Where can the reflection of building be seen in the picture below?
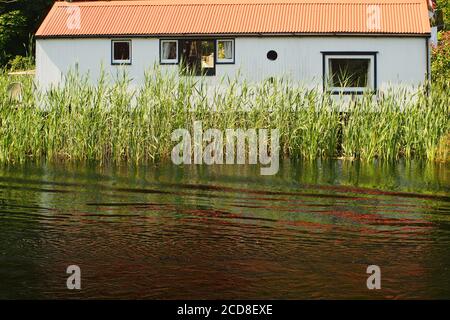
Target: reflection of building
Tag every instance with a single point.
(374, 44)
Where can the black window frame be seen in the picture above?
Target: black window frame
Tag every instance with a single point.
(113, 61)
(371, 54)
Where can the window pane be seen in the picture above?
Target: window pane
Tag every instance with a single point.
(169, 50)
(225, 49)
(351, 73)
(197, 57)
(122, 51)
(207, 54)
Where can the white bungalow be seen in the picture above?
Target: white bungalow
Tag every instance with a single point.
(372, 43)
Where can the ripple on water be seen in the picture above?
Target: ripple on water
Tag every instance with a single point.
(208, 234)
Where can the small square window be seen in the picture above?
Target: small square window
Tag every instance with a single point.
(169, 52)
(121, 52)
(225, 51)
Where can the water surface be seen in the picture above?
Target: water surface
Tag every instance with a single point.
(225, 232)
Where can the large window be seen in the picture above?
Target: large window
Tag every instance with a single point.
(349, 72)
(197, 57)
(121, 51)
(169, 52)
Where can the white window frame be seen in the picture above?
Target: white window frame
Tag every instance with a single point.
(370, 77)
(168, 61)
(121, 62)
(225, 61)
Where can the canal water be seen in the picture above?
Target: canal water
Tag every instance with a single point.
(226, 232)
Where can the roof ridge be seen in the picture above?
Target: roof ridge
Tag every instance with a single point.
(229, 2)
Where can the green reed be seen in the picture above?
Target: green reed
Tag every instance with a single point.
(113, 121)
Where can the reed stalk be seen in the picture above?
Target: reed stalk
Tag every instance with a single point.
(113, 121)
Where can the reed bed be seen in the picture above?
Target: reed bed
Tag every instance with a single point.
(112, 121)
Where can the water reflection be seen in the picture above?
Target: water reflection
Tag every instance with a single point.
(226, 232)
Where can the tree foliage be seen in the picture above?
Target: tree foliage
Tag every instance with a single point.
(19, 19)
(440, 67)
(440, 63)
(12, 25)
(443, 14)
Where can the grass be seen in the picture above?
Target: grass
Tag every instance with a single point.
(115, 123)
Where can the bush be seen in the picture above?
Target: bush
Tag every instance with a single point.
(440, 62)
(20, 63)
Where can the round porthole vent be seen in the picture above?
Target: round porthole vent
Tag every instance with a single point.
(272, 55)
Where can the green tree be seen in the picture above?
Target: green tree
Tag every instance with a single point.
(19, 19)
(443, 14)
(12, 26)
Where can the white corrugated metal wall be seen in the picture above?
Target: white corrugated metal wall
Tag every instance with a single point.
(401, 60)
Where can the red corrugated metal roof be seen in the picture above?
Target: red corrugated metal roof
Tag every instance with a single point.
(111, 18)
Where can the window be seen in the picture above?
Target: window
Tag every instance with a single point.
(225, 51)
(349, 72)
(272, 55)
(121, 52)
(169, 51)
(197, 57)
